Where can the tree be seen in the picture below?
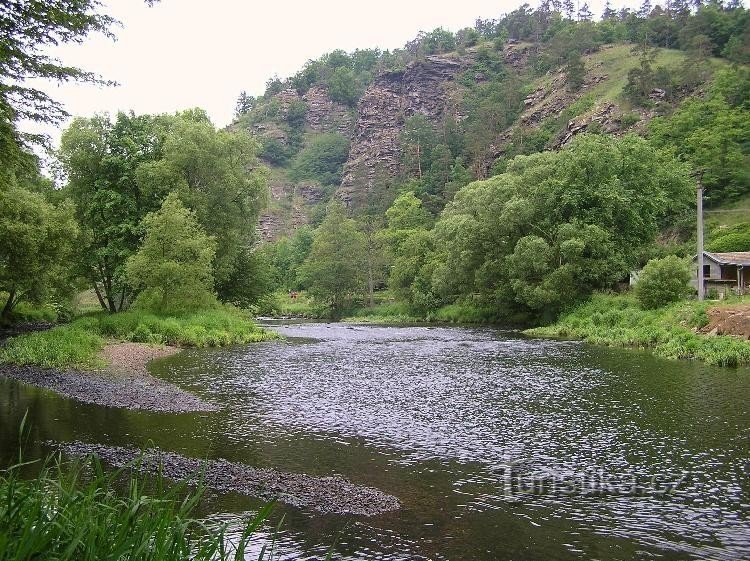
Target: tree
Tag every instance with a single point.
(556, 226)
(245, 104)
(662, 282)
(101, 158)
(28, 29)
(334, 271)
(322, 159)
(36, 243)
(217, 175)
(173, 266)
(576, 71)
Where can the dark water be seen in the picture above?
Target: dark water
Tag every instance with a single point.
(499, 447)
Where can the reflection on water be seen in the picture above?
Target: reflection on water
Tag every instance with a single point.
(499, 447)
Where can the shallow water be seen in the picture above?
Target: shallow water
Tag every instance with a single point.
(499, 447)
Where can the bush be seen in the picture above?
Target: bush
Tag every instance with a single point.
(662, 282)
(322, 160)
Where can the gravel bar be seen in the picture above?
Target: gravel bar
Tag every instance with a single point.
(323, 494)
(133, 391)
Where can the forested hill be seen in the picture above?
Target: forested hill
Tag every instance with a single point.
(450, 108)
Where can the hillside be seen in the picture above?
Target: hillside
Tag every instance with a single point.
(488, 102)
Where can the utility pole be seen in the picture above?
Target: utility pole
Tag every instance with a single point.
(701, 286)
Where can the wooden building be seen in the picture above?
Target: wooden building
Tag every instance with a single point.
(724, 272)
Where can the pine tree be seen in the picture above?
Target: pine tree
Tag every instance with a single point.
(584, 13)
(568, 8)
(608, 13)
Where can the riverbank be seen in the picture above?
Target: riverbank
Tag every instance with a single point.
(679, 331)
(78, 345)
(102, 358)
(123, 383)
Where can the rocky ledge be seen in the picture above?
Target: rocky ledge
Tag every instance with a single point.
(324, 494)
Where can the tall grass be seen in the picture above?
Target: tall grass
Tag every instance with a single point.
(669, 331)
(77, 344)
(61, 347)
(77, 512)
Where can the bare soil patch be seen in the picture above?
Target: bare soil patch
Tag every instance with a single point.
(733, 320)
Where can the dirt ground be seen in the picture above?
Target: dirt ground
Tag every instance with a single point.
(733, 320)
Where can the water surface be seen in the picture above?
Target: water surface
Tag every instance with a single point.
(498, 446)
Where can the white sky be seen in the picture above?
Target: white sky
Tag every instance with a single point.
(196, 53)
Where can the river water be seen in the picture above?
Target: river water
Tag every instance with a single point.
(498, 446)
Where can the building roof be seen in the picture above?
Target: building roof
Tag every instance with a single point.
(730, 258)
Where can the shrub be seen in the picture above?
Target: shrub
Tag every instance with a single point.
(322, 159)
(662, 281)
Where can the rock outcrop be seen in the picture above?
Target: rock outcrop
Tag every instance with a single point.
(390, 100)
(325, 115)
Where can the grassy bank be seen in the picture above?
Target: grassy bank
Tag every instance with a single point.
(670, 331)
(399, 312)
(78, 343)
(77, 512)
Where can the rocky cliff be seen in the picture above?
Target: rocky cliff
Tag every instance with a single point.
(391, 99)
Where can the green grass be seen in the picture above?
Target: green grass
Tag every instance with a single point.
(731, 213)
(62, 347)
(77, 512)
(669, 331)
(400, 312)
(76, 345)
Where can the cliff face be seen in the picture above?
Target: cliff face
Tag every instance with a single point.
(325, 115)
(388, 102)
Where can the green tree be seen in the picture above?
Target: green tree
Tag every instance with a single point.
(217, 175)
(335, 269)
(556, 226)
(36, 246)
(322, 159)
(662, 282)
(100, 158)
(173, 266)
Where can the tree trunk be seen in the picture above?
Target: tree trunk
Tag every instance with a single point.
(9, 304)
(102, 303)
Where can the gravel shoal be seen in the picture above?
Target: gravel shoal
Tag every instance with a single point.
(125, 383)
(323, 494)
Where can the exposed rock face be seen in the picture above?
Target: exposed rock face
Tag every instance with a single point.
(290, 207)
(388, 102)
(325, 115)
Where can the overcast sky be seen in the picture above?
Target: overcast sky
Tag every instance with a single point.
(193, 53)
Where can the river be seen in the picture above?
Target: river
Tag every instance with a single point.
(498, 446)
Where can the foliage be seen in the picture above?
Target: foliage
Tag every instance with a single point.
(322, 159)
(334, 270)
(662, 282)
(36, 243)
(733, 238)
(619, 321)
(118, 172)
(555, 226)
(77, 511)
(61, 347)
(29, 28)
(101, 158)
(288, 254)
(173, 264)
(711, 134)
